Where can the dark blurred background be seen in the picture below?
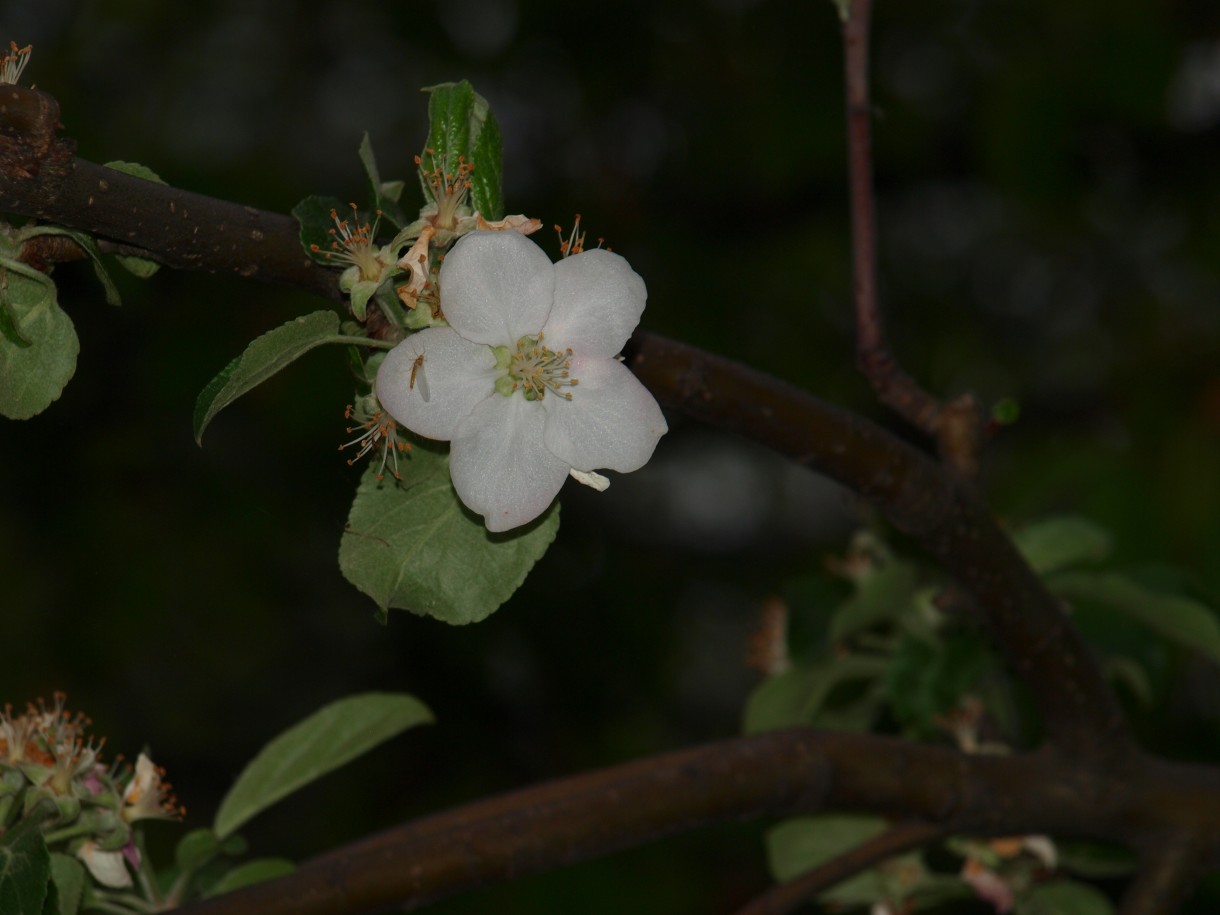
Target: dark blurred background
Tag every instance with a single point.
(1050, 232)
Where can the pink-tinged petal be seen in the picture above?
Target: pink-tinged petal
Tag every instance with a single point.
(433, 379)
(499, 466)
(598, 303)
(496, 287)
(612, 421)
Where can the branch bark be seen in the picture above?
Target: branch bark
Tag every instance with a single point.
(778, 774)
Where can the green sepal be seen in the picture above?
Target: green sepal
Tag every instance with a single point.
(412, 545)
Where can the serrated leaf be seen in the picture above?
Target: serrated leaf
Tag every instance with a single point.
(68, 882)
(1173, 616)
(332, 736)
(265, 356)
(413, 545)
(1057, 543)
(449, 121)
(487, 179)
(25, 872)
(1064, 897)
(314, 216)
(250, 873)
(463, 126)
(33, 376)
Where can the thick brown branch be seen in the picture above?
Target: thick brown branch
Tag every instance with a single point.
(781, 773)
(786, 897)
(181, 229)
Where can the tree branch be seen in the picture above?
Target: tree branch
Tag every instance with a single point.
(955, 426)
(899, 838)
(782, 773)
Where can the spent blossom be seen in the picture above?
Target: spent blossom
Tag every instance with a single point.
(525, 381)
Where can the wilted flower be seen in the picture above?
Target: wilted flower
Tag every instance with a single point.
(524, 382)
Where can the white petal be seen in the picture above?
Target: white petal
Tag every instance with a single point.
(611, 421)
(107, 867)
(500, 467)
(598, 303)
(496, 287)
(452, 377)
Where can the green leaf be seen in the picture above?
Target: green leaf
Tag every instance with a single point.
(314, 216)
(265, 356)
(1093, 860)
(89, 246)
(332, 736)
(487, 179)
(138, 266)
(250, 873)
(924, 680)
(384, 195)
(68, 882)
(1064, 897)
(462, 125)
(882, 595)
(1057, 543)
(798, 696)
(1176, 618)
(33, 374)
(25, 871)
(798, 845)
(195, 849)
(413, 545)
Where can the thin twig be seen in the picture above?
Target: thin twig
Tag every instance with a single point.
(954, 426)
(899, 838)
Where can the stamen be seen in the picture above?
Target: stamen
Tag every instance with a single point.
(380, 431)
(536, 369)
(448, 188)
(12, 63)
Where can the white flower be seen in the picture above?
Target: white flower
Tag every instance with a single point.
(524, 382)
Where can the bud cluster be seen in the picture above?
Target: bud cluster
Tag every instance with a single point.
(51, 770)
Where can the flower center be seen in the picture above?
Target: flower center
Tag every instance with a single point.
(12, 63)
(536, 369)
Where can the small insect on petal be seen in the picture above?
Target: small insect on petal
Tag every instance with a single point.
(417, 375)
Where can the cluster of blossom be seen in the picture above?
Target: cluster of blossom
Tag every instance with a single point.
(496, 358)
(52, 770)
